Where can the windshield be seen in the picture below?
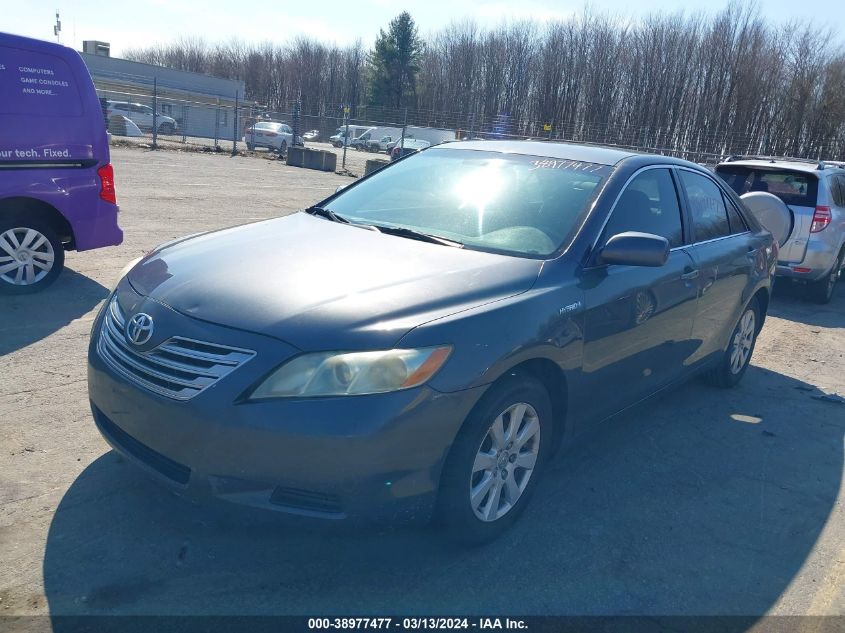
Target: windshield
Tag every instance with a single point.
(513, 204)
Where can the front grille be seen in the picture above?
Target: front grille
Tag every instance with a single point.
(179, 473)
(179, 368)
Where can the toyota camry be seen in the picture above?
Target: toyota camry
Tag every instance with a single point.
(418, 344)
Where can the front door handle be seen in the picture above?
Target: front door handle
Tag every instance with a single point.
(689, 274)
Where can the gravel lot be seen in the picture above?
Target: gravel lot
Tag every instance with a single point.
(355, 160)
(701, 502)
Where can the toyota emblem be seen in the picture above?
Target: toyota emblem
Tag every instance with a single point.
(139, 330)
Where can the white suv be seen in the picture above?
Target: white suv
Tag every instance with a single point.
(142, 116)
(814, 192)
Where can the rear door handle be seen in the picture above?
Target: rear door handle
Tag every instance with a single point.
(689, 274)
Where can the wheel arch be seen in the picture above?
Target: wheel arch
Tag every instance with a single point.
(553, 379)
(762, 297)
(33, 207)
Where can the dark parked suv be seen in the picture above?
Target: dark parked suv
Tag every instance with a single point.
(421, 341)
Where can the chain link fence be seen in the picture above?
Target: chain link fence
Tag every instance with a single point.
(155, 117)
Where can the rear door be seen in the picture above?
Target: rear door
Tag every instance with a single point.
(798, 189)
(725, 256)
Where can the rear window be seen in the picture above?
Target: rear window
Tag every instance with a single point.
(793, 187)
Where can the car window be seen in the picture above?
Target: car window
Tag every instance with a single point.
(737, 224)
(793, 187)
(649, 204)
(509, 203)
(837, 190)
(706, 205)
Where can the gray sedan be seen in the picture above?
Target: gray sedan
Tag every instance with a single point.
(420, 343)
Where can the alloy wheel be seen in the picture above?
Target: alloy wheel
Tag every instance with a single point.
(26, 256)
(504, 462)
(743, 340)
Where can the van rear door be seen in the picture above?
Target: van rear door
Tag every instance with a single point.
(798, 189)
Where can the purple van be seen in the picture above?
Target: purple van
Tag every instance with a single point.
(56, 181)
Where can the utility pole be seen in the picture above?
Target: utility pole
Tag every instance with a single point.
(345, 135)
(57, 28)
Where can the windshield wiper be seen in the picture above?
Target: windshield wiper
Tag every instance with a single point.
(326, 213)
(402, 231)
(334, 217)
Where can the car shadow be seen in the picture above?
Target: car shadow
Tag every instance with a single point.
(25, 319)
(702, 502)
(790, 301)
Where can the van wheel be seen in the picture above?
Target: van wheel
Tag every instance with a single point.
(737, 357)
(821, 291)
(496, 461)
(31, 255)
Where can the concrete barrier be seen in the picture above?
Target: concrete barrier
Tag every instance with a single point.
(296, 156)
(374, 164)
(312, 158)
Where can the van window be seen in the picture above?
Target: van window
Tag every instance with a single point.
(793, 187)
(37, 83)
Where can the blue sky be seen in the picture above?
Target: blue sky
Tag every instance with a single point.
(141, 22)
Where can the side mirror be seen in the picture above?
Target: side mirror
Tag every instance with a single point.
(635, 249)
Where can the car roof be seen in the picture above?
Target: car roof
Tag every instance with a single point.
(565, 151)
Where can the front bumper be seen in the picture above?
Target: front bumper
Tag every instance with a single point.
(364, 457)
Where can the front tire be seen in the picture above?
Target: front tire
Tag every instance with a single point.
(283, 148)
(31, 255)
(737, 357)
(495, 462)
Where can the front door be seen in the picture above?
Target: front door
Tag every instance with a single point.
(638, 320)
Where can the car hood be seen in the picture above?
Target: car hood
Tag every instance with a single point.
(321, 285)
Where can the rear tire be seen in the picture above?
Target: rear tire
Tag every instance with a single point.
(166, 128)
(487, 482)
(250, 147)
(737, 357)
(821, 291)
(31, 255)
(283, 148)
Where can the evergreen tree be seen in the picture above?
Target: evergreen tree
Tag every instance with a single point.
(394, 64)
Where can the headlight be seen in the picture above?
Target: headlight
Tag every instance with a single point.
(125, 270)
(352, 373)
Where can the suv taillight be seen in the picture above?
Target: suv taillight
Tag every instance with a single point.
(106, 174)
(821, 218)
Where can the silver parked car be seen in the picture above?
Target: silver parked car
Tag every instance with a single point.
(814, 192)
